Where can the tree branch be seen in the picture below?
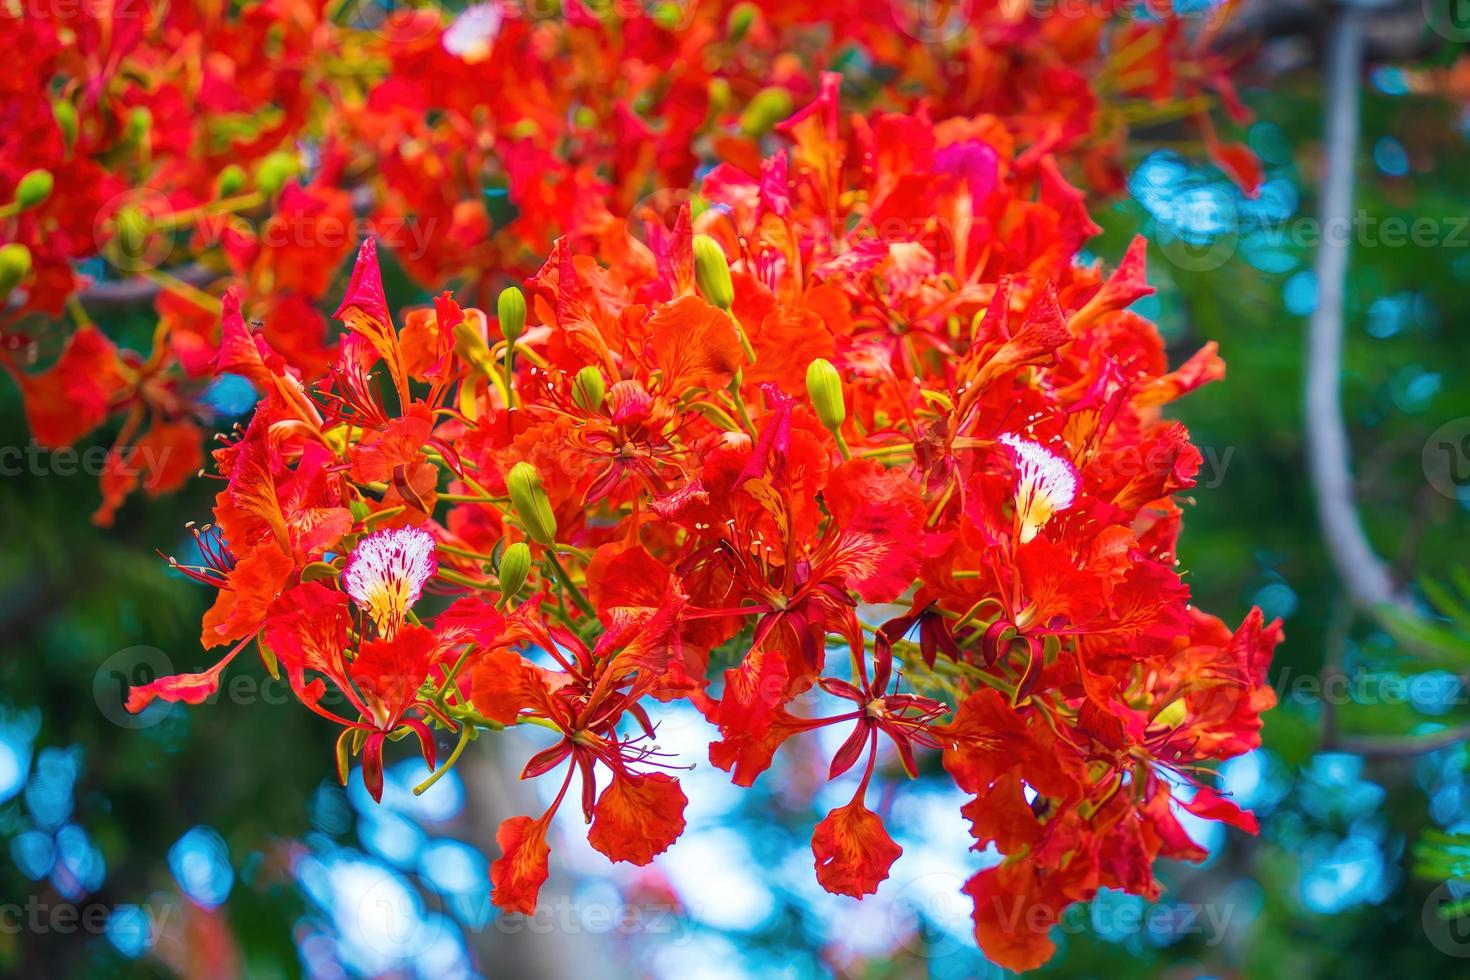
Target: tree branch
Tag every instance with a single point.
(1364, 575)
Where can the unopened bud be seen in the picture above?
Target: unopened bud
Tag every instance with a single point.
(66, 120)
(588, 389)
(231, 181)
(770, 106)
(718, 93)
(824, 386)
(273, 172)
(712, 272)
(33, 188)
(140, 122)
(15, 265)
(668, 15)
(511, 308)
(470, 346)
(742, 17)
(529, 501)
(515, 566)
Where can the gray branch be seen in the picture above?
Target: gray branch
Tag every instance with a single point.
(1364, 575)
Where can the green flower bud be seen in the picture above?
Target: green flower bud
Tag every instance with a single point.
(742, 18)
(824, 386)
(140, 122)
(230, 181)
(529, 501)
(272, 173)
(712, 272)
(668, 16)
(515, 566)
(719, 95)
(33, 188)
(588, 388)
(511, 308)
(470, 346)
(770, 106)
(66, 120)
(15, 265)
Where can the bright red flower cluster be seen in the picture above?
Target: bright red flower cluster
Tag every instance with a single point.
(199, 147)
(857, 421)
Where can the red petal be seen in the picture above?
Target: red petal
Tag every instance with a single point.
(518, 874)
(638, 816)
(372, 766)
(853, 851)
(1212, 806)
(1012, 922)
(73, 397)
(391, 671)
(1240, 164)
(188, 688)
(695, 344)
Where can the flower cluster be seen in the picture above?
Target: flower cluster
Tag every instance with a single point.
(855, 425)
(188, 149)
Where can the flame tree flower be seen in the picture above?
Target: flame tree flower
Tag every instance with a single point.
(631, 480)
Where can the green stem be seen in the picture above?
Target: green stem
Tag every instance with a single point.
(464, 552)
(510, 360)
(466, 736)
(449, 575)
(453, 673)
(571, 587)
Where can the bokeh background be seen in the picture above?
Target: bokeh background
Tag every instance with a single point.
(188, 841)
